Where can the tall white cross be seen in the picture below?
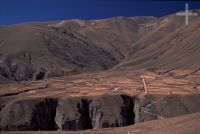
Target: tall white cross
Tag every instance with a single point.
(186, 14)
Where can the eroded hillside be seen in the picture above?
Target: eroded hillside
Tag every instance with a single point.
(38, 50)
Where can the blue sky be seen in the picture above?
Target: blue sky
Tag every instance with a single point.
(20, 11)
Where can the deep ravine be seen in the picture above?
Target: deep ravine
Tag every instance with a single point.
(103, 111)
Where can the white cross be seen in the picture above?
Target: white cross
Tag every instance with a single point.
(186, 14)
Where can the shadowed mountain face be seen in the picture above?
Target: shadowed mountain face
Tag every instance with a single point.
(38, 50)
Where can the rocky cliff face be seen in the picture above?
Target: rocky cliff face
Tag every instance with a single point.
(162, 107)
(68, 114)
(43, 115)
(80, 113)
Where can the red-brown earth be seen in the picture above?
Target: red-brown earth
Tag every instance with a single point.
(86, 75)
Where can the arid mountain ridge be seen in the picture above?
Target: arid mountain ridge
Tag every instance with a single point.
(38, 50)
(66, 47)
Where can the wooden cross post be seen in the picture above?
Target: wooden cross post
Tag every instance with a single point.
(145, 86)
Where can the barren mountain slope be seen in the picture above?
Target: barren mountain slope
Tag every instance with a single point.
(37, 50)
(177, 49)
(180, 125)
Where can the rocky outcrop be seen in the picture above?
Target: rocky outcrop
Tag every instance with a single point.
(14, 70)
(43, 115)
(152, 107)
(72, 113)
(103, 111)
(112, 111)
(95, 113)
(32, 114)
